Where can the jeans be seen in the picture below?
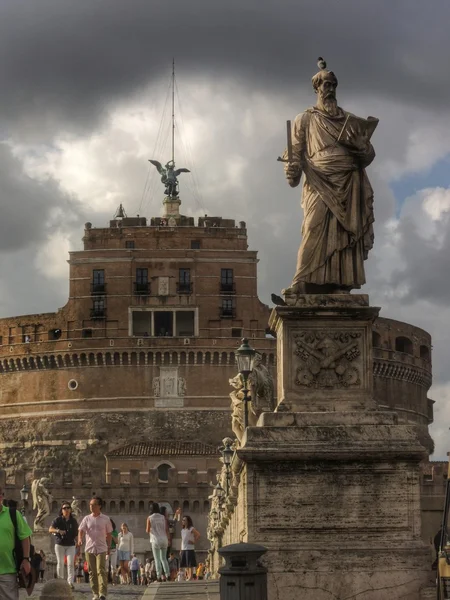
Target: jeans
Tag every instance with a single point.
(98, 576)
(134, 576)
(61, 552)
(161, 564)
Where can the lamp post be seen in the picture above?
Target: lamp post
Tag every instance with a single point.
(227, 456)
(24, 497)
(245, 359)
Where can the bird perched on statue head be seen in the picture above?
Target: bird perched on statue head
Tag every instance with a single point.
(324, 73)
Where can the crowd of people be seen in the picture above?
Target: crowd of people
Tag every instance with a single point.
(109, 555)
(94, 551)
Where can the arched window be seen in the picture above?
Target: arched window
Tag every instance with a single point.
(112, 506)
(425, 353)
(404, 344)
(206, 506)
(122, 506)
(163, 472)
(376, 339)
(196, 506)
(132, 506)
(186, 506)
(141, 506)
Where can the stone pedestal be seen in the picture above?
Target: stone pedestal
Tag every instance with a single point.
(171, 207)
(328, 483)
(324, 349)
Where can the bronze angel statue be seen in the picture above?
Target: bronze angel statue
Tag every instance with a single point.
(169, 176)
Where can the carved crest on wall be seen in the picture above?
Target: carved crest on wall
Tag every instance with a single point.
(328, 359)
(169, 388)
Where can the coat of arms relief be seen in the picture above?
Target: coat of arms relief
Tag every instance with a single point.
(328, 359)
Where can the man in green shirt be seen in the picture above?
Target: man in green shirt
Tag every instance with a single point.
(9, 589)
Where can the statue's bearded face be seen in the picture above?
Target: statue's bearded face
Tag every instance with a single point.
(327, 95)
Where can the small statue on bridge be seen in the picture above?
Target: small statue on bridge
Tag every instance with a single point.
(42, 500)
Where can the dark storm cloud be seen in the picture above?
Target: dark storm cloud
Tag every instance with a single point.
(27, 205)
(63, 62)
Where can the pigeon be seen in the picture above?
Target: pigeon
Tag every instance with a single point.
(321, 63)
(278, 300)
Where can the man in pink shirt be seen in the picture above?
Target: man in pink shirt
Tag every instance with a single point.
(97, 528)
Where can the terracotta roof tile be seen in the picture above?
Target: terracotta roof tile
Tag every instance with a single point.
(164, 448)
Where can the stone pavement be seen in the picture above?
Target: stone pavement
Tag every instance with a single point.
(198, 590)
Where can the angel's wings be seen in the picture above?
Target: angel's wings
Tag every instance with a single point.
(158, 165)
(178, 171)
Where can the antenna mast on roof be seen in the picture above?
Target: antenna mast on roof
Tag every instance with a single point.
(173, 110)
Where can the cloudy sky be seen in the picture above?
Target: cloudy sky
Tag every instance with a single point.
(83, 106)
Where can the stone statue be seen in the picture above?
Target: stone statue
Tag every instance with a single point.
(169, 176)
(262, 387)
(237, 405)
(42, 500)
(76, 510)
(332, 149)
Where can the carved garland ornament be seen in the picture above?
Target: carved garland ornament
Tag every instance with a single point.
(327, 359)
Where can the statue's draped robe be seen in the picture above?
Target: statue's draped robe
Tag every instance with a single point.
(337, 201)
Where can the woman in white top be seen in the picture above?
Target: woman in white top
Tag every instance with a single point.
(124, 551)
(158, 528)
(189, 535)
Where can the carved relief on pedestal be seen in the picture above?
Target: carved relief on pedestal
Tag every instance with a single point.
(328, 359)
(169, 389)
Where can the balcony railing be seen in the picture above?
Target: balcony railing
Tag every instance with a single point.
(141, 288)
(98, 289)
(98, 313)
(184, 287)
(227, 313)
(227, 288)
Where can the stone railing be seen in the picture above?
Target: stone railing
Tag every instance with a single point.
(227, 517)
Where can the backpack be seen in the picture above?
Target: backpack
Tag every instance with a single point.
(18, 554)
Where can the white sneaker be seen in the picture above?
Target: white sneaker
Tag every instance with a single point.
(95, 597)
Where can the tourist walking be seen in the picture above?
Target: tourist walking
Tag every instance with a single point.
(65, 530)
(43, 565)
(97, 529)
(9, 589)
(158, 528)
(189, 536)
(112, 567)
(79, 570)
(125, 549)
(134, 568)
(173, 566)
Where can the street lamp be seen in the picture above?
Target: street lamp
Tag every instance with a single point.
(24, 497)
(227, 456)
(245, 359)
